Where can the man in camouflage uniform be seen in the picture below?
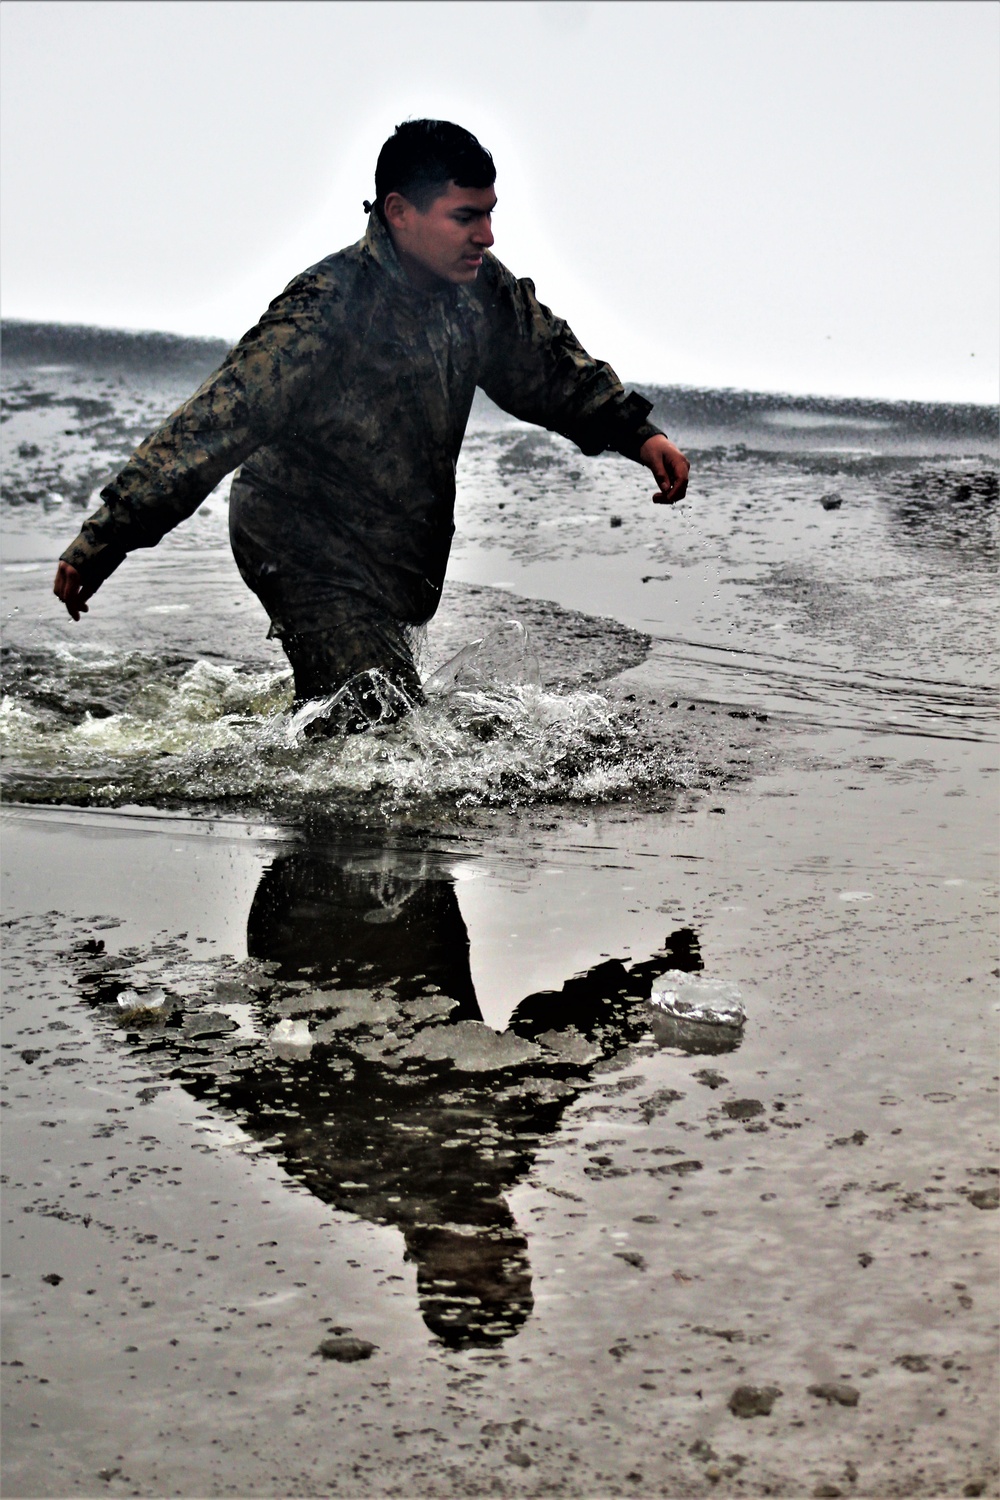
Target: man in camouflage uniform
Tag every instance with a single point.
(345, 409)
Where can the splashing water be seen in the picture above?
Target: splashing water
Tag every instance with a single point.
(110, 729)
(504, 655)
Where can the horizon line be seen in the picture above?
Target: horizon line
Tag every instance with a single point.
(776, 394)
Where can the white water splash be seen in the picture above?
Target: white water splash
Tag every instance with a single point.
(218, 733)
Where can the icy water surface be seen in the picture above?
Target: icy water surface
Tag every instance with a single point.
(586, 1087)
(366, 1167)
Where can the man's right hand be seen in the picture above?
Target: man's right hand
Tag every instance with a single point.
(70, 588)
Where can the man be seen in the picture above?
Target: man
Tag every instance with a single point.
(345, 409)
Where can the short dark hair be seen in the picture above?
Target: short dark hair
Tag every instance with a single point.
(421, 157)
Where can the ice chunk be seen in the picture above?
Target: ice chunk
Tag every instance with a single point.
(354, 1008)
(570, 1046)
(307, 1002)
(428, 1007)
(471, 1046)
(141, 999)
(692, 997)
(697, 1015)
(291, 1039)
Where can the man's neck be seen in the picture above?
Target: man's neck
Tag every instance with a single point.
(414, 270)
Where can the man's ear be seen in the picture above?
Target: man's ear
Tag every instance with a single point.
(397, 210)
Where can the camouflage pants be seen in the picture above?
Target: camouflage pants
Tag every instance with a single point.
(364, 663)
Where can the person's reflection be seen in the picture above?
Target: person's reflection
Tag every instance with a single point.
(390, 1147)
(376, 922)
(391, 1101)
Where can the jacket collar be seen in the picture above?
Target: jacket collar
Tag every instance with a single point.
(378, 243)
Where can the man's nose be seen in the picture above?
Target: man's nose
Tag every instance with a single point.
(484, 234)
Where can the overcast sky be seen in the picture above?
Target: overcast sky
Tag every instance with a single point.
(798, 197)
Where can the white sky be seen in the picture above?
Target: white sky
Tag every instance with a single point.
(790, 196)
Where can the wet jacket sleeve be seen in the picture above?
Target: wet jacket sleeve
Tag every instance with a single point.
(536, 369)
(250, 396)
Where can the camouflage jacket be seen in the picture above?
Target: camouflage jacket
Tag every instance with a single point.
(346, 406)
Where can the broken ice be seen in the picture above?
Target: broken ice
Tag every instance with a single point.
(144, 1000)
(691, 997)
(291, 1039)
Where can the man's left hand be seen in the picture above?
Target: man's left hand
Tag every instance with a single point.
(670, 468)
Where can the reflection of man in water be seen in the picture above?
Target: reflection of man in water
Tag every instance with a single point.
(345, 407)
(397, 1111)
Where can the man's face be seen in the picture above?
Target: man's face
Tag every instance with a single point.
(447, 242)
